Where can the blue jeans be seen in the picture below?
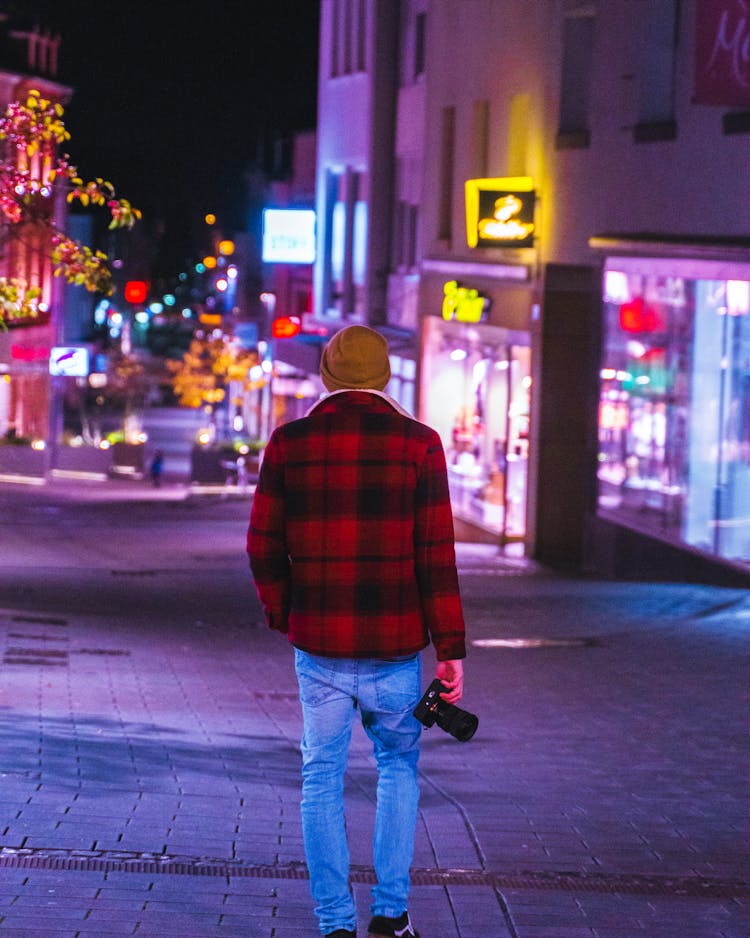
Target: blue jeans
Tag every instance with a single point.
(385, 692)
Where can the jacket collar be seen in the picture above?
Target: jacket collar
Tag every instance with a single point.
(381, 394)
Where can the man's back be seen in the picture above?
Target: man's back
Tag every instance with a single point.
(355, 496)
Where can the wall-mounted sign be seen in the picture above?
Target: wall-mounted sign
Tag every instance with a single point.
(29, 353)
(288, 236)
(246, 334)
(463, 303)
(500, 212)
(72, 361)
(210, 319)
(722, 62)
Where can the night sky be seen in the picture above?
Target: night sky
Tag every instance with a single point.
(171, 99)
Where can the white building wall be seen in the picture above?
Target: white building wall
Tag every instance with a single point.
(695, 184)
(494, 50)
(481, 51)
(355, 139)
(409, 194)
(508, 53)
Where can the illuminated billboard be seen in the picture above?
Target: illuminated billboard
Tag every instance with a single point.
(500, 212)
(288, 236)
(71, 361)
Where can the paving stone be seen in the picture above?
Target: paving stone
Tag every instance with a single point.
(617, 759)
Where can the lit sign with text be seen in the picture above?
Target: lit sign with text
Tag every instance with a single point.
(500, 212)
(463, 303)
(722, 53)
(71, 361)
(288, 236)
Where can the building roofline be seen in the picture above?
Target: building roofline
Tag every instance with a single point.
(700, 247)
(43, 85)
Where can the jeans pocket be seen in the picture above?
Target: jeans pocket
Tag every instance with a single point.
(314, 680)
(397, 685)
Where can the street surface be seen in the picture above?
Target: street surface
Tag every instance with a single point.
(149, 764)
(174, 431)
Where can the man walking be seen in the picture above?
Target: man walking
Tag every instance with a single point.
(352, 550)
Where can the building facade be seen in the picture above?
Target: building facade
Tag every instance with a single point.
(566, 236)
(368, 184)
(30, 60)
(295, 339)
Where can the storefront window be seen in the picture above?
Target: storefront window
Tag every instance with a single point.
(674, 411)
(476, 389)
(401, 385)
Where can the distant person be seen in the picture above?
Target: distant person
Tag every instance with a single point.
(242, 474)
(352, 550)
(157, 464)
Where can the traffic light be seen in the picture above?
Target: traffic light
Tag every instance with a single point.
(286, 327)
(136, 291)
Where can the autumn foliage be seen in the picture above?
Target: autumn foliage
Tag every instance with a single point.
(211, 362)
(33, 168)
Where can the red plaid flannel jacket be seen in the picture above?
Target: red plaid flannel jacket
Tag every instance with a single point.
(351, 539)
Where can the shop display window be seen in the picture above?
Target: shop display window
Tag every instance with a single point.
(674, 409)
(476, 392)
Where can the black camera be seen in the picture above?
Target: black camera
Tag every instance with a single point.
(433, 709)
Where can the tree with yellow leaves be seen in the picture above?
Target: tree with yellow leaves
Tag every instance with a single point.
(202, 377)
(31, 170)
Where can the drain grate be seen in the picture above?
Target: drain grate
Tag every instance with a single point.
(122, 862)
(276, 695)
(36, 652)
(111, 652)
(40, 620)
(56, 656)
(28, 637)
(134, 572)
(49, 657)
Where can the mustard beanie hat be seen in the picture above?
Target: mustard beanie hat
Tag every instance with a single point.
(356, 357)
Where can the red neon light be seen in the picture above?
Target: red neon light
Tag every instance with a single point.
(29, 353)
(136, 291)
(653, 354)
(636, 316)
(286, 327)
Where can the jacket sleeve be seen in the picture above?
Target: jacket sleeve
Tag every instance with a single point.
(266, 540)
(436, 557)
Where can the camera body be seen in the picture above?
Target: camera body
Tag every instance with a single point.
(433, 709)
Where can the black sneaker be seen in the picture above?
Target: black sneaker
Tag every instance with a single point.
(401, 927)
(341, 933)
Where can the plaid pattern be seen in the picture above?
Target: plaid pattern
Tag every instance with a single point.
(351, 539)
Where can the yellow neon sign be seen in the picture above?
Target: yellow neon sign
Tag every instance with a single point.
(463, 303)
(210, 319)
(500, 212)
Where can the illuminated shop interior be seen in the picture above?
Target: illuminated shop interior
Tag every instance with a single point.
(674, 410)
(476, 392)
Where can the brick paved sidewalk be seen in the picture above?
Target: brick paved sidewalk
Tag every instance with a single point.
(149, 782)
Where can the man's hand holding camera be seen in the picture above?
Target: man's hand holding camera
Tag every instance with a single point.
(434, 707)
(451, 675)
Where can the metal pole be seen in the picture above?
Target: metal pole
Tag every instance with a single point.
(719, 482)
(508, 399)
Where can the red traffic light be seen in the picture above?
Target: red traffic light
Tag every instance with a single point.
(136, 291)
(286, 327)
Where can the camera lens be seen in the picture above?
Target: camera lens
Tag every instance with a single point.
(459, 723)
